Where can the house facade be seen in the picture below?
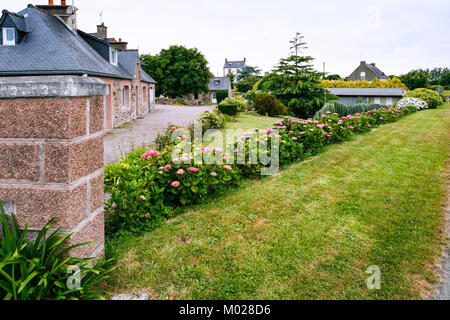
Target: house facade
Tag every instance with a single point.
(218, 84)
(367, 71)
(384, 96)
(233, 67)
(44, 40)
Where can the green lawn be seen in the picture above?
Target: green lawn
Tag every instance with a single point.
(247, 121)
(311, 231)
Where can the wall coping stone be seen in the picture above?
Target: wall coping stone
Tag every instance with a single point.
(51, 87)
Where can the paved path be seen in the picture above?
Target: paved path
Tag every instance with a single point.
(120, 141)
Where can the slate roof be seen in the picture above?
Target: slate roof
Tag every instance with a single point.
(234, 64)
(51, 47)
(18, 20)
(368, 92)
(224, 84)
(377, 71)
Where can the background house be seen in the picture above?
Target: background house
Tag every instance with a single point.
(44, 40)
(384, 96)
(218, 84)
(233, 67)
(367, 72)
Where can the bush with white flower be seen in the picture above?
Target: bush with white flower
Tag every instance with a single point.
(416, 102)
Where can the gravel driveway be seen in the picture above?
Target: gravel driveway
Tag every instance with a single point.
(120, 141)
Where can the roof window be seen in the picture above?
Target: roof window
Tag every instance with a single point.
(9, 36)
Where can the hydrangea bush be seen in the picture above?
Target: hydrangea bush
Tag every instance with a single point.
(149, 186)
(416, 102)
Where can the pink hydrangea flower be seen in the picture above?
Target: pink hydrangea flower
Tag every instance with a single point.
(175, 184)
(228, 168)
(302, 133)
(162, 168)
(269, 131)
(181, 172)
(351, 128)
(320, 126)
(236, 151)
(225, 158)
(218, 150)
(168, 167)
(312, 130)
(206, 150)
(192, 169)
(294, 138)
(184, 137)
(184, 159)
(213, 174)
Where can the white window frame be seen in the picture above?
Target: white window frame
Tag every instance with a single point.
(7, 42)
(124, 97)
(113, 59)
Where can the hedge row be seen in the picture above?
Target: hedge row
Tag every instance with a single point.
(344, 109)
(148, 187)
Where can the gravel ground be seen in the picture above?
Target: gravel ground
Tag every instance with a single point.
(120, 141)
(443, 289)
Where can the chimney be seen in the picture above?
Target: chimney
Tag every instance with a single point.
(226, 60)
(102, 31)
(245, 59)
(66, 13)
(363, 62)
(120, 45)
(373, 63)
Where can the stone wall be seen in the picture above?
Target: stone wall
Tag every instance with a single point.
(51, 155)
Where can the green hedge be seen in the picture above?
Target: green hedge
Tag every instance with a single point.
(267, 104)
(229, 109)
(221, 95)
(343, 109)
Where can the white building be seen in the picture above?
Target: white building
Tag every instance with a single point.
(233, 67)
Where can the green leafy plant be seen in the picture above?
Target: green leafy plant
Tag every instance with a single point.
(228, 109)
(267, 104)
(237, 100)
(221, 95)
(432, 98)
(148, 187)
(38, 270)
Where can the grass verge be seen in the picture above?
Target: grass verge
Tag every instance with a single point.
(312, 231)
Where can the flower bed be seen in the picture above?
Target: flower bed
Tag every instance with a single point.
(148, 187)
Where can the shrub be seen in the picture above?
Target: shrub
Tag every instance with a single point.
(228, 109)
(39, 270)
(250, 96)
(343, 109)
(432, 98)
(390, 83)
(266, 103)
(247, 84)
(213, 120)
(148, 187)
(406, 102)
(221, 95)
(237, 100)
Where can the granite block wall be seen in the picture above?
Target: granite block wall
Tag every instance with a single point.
(51, 155)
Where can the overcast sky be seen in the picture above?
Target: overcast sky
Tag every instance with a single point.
(399, 35)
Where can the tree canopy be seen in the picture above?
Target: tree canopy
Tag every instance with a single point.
(248, 71)
(423, 78)
(179, 71)
(295, 82)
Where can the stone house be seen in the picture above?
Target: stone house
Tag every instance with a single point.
(44, 40)
(367, 71)
(233, 67)
(218, 84)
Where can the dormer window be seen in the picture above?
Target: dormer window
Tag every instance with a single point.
(113, 56)
(216, 82)
(9, 37)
